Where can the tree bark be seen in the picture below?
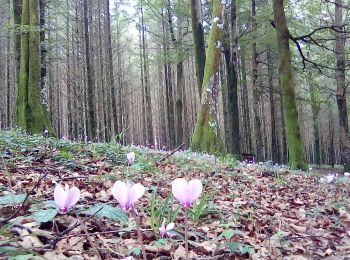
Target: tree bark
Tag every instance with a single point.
(206, 136)
(341, 87)
(110, 73)
(31, 114)
(295, 145)
(257, 123)
(147, 86)
(198, 41)
(272, 105)
(91, 106)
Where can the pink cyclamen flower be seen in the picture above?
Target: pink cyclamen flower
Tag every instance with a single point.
(187, 192)
(66, 198)
(131, 158)
(164, 230)
(127, 194)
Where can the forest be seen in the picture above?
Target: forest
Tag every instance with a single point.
(227, 105)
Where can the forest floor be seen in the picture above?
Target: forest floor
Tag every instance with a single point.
(247, 211)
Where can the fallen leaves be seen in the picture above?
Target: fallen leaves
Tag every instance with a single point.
(253, 212)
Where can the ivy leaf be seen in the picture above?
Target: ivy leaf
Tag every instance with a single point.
(12, 199)
(107, 211)
(45, 215)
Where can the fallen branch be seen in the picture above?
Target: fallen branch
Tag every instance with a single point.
(170, 154)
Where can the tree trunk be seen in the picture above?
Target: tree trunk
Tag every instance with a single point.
(272, 105)
(91, 106)
(315, 107)
(168, 89)
(245, 104)
(257, 123)
(341, 87)
(232, 97)
(110, 73)
(198, 40)
(31, 114)
(147, 86)
(17, 13)
(295, 145)
(206, 135)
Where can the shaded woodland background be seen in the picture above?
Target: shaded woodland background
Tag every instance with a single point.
(135, 61)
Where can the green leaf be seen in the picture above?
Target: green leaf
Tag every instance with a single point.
(107, 211)
(10, 250)
(21, 257)
(160, 242)
(135, 250)
(12, 199)
(45, 215)
(229, 233)
(239, 248)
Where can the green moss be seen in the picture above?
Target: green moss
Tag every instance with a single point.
(295, 145)
(206, 137)
(31, 114)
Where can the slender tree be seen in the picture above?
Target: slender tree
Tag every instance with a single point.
(91, 106)
(295, 145)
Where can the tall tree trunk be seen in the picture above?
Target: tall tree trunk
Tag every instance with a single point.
(245, 103)
(168, 89)
(68, 79)
(341, 86)
(31, 114)
(110, 74)
(206, 136)
(272, 104)
(198, 40)
(315, 107)
(232, 97)
(43, 50)
(17, 13)
(91, 106)
(295, 145)
(257, 123)
(148, 101)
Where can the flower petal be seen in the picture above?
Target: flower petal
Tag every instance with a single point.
(170, 226)
(131, 157)
(195, 189)
(136, 192)
(120, 193)
(73, 195)
(59, 195)
(179, 189)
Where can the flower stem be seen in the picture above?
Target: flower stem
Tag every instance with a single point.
(186, 234)
(139, 234)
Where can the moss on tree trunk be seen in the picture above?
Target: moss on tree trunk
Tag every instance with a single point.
(206, 135)
(295, 145)
(31, 114)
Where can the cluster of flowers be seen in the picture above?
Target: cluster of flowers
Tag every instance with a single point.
(332, 177)
(127, 195)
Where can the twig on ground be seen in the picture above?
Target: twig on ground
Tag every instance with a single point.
(14, 214)
(60, 235)
(92, 243)
(170, 154)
